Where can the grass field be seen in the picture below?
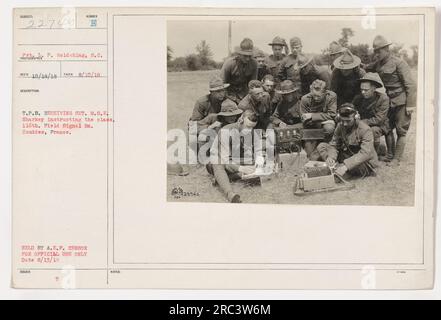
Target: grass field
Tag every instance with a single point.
(392, 186)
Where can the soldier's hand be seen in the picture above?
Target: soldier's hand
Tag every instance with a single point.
(306, 116)
(409, 111)
(246, 169)
(330, 162)
(341, 170)
(215, 125)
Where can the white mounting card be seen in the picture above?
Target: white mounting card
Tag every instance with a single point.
(111, 188)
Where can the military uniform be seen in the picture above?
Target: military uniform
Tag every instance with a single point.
(286, 112)
(374, 112)
(354, 147)
(323, 114)
(289, 70)
(224, 166)
(273, 65)
(400, 87)
(238, 75)
(207, 121)
(322, 111)
(263, 110)
(275, 99)
(348, 87)
(204, 106)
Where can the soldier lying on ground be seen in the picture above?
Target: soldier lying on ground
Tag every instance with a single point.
(228, 164)
(352, 145)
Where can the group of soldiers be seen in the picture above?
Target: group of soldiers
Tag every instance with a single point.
(354, 103)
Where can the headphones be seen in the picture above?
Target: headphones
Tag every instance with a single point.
(338, 117)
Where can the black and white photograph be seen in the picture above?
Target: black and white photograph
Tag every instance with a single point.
(293, 110)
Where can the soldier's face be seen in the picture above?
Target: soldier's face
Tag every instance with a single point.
(257, 94)
(335, 56)
(348, 123)
(367, 90)
(229, 119)
(268, 86)
(277, 51)
(289, 97)
(219, 95)
(381, 54)
(260, 61)
(346, 72)
(318, 95)
(295, 50)
(244, 58)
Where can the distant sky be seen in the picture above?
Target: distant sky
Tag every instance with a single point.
(183, 36)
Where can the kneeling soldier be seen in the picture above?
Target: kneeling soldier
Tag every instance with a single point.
(318, 110)
(373, 107)
(352, 145)
(287, 110)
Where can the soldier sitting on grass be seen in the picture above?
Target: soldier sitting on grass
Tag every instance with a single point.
(232, 154)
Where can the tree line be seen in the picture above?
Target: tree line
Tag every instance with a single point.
(202, 59)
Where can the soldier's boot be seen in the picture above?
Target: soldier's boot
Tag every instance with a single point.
(322, 150)
(390, 145)
(377, 146)
(309, 147)
(223, 181)
(399, 150)
(234, 197)
(381, 150)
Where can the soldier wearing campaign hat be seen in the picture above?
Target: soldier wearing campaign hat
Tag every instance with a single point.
(345, 76)
(335, 51)
(287, 110)
(239, 70)
(400, 87)
(351, 149)
(274, 60)
(210, 103)
(373, 107)
(229, 113)
(289, 67)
